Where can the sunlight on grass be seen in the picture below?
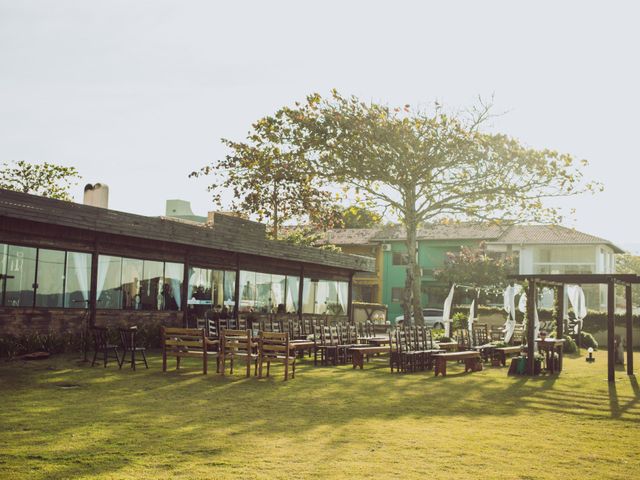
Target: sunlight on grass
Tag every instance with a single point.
(64, 419)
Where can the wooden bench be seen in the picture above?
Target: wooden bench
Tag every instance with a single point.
(472, 361)
(187, 342)
(501, 353)
(358, 354)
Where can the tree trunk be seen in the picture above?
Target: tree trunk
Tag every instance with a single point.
(413, 294)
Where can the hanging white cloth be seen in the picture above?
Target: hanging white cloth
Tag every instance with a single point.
(522, 306)
(446, 312)
(578, 303)
(510, 307)
(472, 314)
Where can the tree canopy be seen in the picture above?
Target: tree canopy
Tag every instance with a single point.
(45, 179)
(269, 179)
(427, 166)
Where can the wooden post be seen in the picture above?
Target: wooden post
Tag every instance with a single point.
(93, 303)
(350, 300)
(531, 298)
(560, 319)
(237, 293)
(184, 306)
(300, 292)
(629, 326)
(611, 354)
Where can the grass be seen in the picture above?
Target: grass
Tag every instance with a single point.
(63, 419)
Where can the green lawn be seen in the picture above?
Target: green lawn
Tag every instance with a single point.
(327, 423)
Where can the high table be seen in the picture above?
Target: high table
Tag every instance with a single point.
(550, 346)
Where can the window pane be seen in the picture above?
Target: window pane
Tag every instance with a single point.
(200, 283)
(78, 279)
(20, 276)
(151, 285)
(229, 301)
(172, 288)
(49, 292)
(3, 268)
(109, 277)
(131, 277)
(325, 298)
(278, 293)
(247, 291)
(308, 295)
(343, 297)
(264, 296)
(293, 290)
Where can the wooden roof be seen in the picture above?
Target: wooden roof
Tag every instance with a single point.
(227, 233)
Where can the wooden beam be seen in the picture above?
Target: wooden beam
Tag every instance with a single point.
(350, 299)
(628, 294)
(300, 292)
(184, 307)
(560, 318)
(611, 310)
(531, 298)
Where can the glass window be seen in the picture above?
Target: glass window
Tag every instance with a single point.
(50, 281)
(400, 258)
(229, 299)
(109, 292)
(293, 289)
(200, 283)
(264, 295)
(247, 291)
(151, 285)
(78, 280)
(397, 294)
(131, 278)
(20, 276)
(172, 287)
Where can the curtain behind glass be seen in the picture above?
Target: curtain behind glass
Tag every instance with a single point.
(77, 277)
(20, 276)
(131, 278)
(151, 285)
(229, 290)
(247, 291)
(293, 290)
(50, 281)
(343, 296)
(172, 288)
(308, 296)
(109, 293)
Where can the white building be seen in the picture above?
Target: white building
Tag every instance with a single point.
(554, 249)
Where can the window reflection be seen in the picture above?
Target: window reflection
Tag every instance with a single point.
(20, 276)
(328, 297)
(50, 282)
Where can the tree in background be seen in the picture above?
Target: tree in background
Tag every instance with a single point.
(476, 268)
(628, 263)
(269, 180)
(45, 179)
(360, 217)
(426, 166)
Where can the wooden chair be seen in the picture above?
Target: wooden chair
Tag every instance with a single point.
(128, 339)
(274, 347)
(101, 345)
(462, 337)
(480, 334)
(238, 344)
(188, 342)
(326, 344)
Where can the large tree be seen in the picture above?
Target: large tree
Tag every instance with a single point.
(269, 180)
(45, 179)
(429, 165)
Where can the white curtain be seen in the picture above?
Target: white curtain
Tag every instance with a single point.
(277, 296)
(446, 312)
(103, 269)
(322, 293)
(293, 289)
(343, 296)
(510, 307)
(80, 262)
(578, 303)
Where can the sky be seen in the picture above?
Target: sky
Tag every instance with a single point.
(138, 94)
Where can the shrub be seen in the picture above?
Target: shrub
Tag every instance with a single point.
(459, 320)
(569, 345)
(587, 340)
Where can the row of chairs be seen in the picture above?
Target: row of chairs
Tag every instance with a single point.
(230, 345)
(411, 349)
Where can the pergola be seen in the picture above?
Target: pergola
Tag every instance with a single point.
(559, 281)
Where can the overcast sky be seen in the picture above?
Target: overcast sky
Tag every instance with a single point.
(138, 94)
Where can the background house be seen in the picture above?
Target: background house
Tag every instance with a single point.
(539, 248)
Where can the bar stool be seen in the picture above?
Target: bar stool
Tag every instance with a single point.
(128, 338)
